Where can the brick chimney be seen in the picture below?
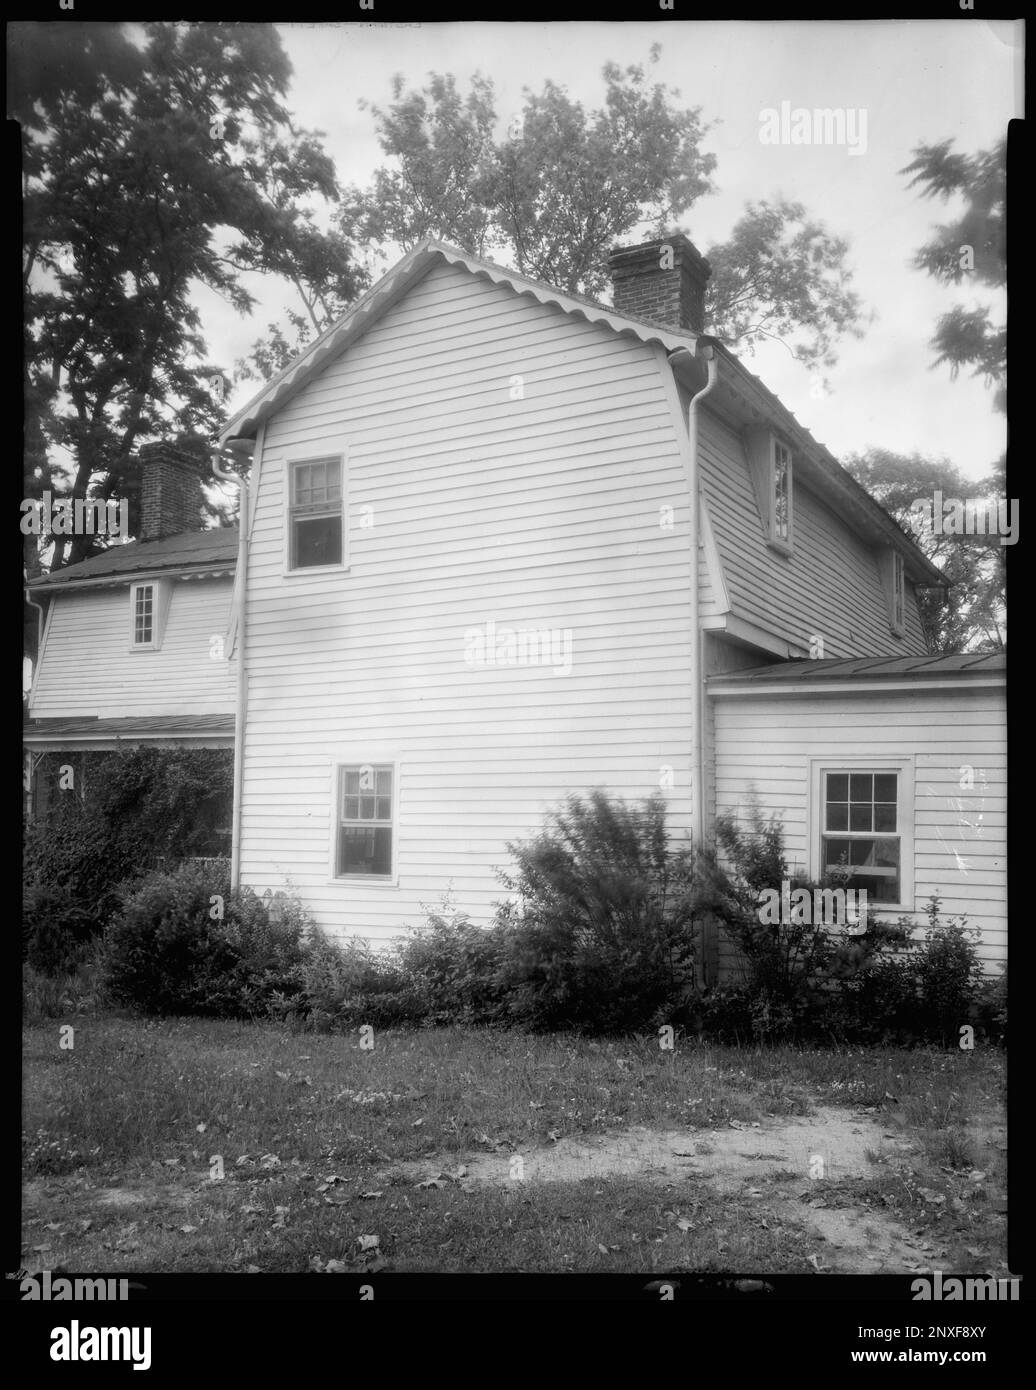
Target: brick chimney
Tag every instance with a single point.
(663, 281)
(170, 491)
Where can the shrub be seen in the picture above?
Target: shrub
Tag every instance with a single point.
(78, 989)
(991, 1007)
(347, 984)
(127, 808)
(804, 978)
(600, 936)
(55, 929)
(453, 967)
(949, 974)
(170, 952)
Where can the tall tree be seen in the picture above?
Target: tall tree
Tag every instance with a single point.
(564, 184)
(973, 616)
(970, 248)
(150, 168)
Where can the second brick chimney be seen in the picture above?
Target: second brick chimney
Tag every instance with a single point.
(663, 281)
(170, 491)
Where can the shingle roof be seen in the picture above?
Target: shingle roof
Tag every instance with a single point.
(215, 549)
(131, 726)
(855, 668)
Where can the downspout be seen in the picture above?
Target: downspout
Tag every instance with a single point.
(705, 351)
(241, 699)
(30, 766)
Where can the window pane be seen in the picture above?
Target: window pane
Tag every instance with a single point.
(885, 786)
(351, 808)
(364, 851)
(352, 782)
(861, 786)
(860, 817)
(316, 541)
(366, 808)
(384, 808)
(884, 816)
(384, 781)
(837, 815)
(838, 786)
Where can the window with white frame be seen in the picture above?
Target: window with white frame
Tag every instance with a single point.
(780, 494)
(366, 821)
(315, 520)
(143, 615)
(149, 601)
(893, 583)
(862, 830)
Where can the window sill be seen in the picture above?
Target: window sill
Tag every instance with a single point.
(313, 569)
(367, 880)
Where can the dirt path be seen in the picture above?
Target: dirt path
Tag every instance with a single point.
(778, 1160)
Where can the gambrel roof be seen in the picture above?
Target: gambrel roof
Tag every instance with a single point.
(743, 390)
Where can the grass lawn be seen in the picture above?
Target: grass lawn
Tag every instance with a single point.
(471, 1150)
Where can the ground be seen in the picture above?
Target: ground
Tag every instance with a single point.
(195, 1145)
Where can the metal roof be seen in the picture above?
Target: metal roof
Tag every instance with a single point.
(876, 667)
(130, 727)
(210, 552)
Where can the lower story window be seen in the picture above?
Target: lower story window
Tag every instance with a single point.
(862, 831)
(365, 821)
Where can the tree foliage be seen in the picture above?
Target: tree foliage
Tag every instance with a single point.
(973, 615)
(151, 169)
(968, 248)
(564, 184)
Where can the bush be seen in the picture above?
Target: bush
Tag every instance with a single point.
(169, 951)
(949, 974)
(347, 984)
(127, 809)
(991, 1007)
(805, 979)
(600, 937)
(55, 929)
(78, 989)
(452, 968)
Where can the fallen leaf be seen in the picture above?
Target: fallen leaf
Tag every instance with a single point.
(603, 1249)
(336, 1267)
(372, 1194)
(416, 1123)
(368, 1242)
(684, 1224)
(201, 1128)
(188, 1229)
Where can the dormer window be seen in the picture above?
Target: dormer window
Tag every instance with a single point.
(780, 499)
(148, 604)
(772, 468)
(893, 581)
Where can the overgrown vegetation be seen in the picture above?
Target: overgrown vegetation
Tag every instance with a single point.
(108, 818)
(600, 934)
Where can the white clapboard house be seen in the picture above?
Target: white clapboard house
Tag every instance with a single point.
(472, 586)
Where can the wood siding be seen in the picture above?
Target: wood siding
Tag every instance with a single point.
(829, 586)
(86, 666)
(538, 513)
(764, 745)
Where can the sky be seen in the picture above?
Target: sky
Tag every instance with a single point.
(918, 82)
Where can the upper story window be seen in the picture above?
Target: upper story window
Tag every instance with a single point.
(772, 469)
(893, 581)
(148, 604)
(144, 615)
(315, 522)
(780, 500)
